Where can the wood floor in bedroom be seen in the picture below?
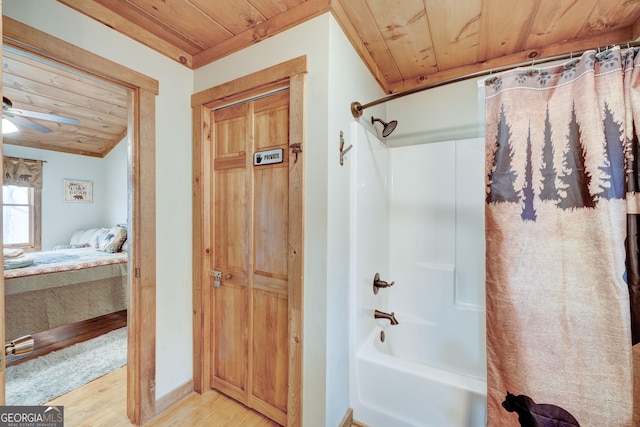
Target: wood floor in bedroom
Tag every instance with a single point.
(68, 335)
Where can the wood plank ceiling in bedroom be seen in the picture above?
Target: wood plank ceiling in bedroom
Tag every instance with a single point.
(36, 84)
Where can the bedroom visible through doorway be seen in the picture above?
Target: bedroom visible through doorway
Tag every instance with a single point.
(139, 138)
(65, 218)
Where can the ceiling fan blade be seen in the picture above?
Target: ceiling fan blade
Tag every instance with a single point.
(23, 121)
(42, 116)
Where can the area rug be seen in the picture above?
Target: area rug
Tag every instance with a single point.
(39, 380)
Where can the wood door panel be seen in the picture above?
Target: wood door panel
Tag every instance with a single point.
(271, 225)
(230, 222)
(271, 284)
(230, 130)
(231, 300)
(270, 348)
(231, 314)
(269, 115)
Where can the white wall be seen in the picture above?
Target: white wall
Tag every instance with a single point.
(173, 153)
(446, 113)
(349, 80)
(116, 184)
(60, 219)
(336, 77)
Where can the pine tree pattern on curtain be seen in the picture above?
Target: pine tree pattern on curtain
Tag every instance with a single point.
(559, 335)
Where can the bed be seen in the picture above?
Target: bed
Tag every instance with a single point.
(77, 281)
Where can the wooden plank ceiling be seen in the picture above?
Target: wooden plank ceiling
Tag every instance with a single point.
(33, 84)
(406, 44)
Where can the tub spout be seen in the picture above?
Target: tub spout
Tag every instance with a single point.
(382, 315)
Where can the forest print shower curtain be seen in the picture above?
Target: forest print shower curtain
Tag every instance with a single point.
(559, 143)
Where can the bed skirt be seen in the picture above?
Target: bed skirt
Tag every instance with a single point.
(42, 302)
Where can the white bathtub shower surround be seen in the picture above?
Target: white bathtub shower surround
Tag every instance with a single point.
(395, 391)
(433, 330)
(369, 250)
(418, 220)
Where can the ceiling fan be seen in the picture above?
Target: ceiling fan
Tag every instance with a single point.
(22, 117)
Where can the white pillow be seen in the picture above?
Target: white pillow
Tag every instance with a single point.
(75, 237)
(12, 252)
(85, 237)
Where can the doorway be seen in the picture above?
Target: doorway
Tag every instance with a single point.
(248, 240)
(141, 226)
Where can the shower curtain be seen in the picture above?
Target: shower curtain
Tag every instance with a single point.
(560, 203)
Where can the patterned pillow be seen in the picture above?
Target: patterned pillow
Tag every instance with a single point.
(98, 236)
(113, 239)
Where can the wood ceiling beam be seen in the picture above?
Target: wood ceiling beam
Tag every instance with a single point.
(124, 26)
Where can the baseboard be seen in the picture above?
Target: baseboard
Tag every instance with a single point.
(347, 421)
(173, 396)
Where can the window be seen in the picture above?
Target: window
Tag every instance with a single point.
(21, 217)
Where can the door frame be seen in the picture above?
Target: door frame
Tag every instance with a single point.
(141, 318)
(287, 74)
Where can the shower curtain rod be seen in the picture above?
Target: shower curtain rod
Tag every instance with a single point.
(357, 108)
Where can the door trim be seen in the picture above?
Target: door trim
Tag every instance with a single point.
(287, 74)
(141, 362)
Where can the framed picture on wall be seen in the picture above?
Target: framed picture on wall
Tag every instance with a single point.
(78, 191)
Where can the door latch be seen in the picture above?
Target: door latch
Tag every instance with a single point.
(217, 277)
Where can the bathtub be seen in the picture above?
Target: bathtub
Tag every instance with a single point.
(423, 387)
(417, 216)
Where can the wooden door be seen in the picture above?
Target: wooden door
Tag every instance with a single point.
(250, 351)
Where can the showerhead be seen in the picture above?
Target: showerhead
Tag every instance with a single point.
(388, 127)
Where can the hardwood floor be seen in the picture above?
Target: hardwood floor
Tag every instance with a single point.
(102, 403)
(67, 335)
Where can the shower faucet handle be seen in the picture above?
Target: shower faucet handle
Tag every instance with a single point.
(377, 284)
